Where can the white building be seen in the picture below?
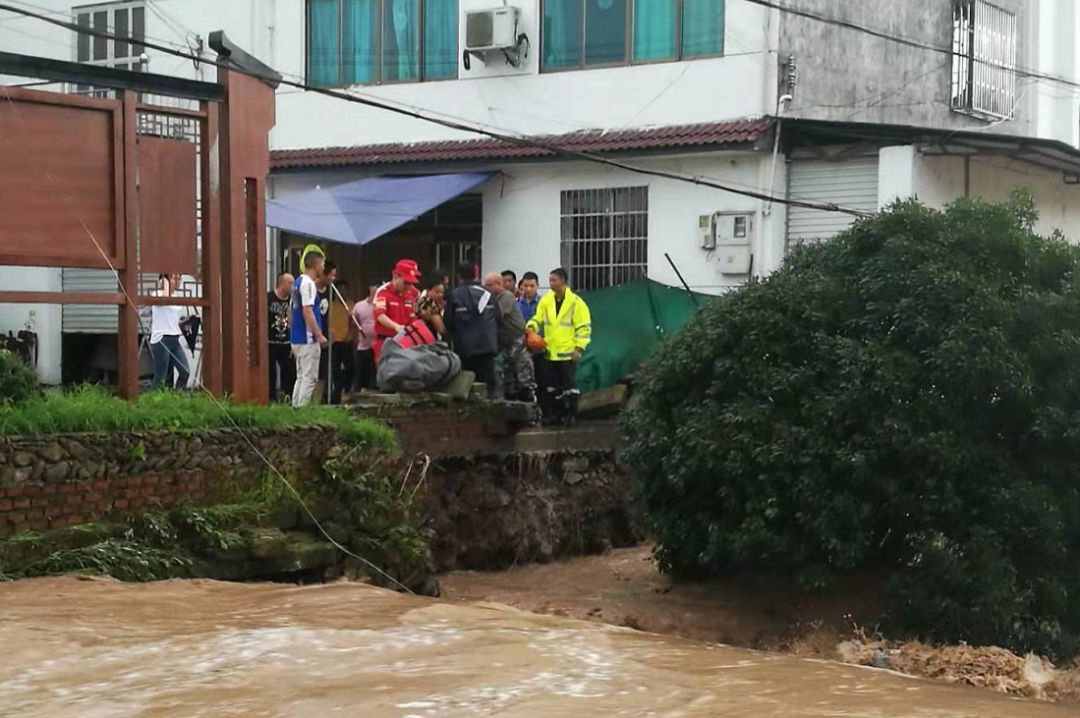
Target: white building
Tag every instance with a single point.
(678, 87)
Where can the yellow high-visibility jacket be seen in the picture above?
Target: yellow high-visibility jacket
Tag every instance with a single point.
(568, 330)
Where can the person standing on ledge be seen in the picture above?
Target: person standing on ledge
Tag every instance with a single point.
(281, 361)
(514, 378)
(395, 303)
(563, 320)
(509, 282)
(528, 295)
(363, 330)
(165, 347)
(306, 330)
(472, 323)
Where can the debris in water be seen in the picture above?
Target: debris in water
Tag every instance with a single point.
(994, 668)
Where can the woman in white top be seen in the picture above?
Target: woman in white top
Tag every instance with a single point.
(166, 349)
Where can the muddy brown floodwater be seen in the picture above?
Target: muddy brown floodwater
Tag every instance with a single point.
(101, 649)
(624, 587)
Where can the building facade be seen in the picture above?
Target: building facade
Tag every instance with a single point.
(707, 107)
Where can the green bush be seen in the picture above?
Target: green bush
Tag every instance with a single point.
(18, 382)
(904, 400)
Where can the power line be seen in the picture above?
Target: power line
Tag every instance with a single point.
(910, 42)
(61, 13)
(459, 125)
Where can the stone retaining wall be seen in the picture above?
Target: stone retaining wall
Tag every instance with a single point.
(440, 427)
(493, 512)
(493, 496)
(51, 482)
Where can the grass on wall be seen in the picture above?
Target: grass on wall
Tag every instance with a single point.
(93, 409)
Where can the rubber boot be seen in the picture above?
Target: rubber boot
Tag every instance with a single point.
(572, 399)
(548, 411)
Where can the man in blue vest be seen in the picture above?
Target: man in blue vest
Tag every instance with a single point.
(306, 330)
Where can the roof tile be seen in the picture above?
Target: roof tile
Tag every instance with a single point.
(712, 134)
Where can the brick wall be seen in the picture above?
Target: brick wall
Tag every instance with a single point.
(57, 481)
(440, 429)
(51, 482)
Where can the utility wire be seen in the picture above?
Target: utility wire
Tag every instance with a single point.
(460, 125)
(910, 42)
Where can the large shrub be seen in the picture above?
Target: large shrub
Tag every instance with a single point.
(18, 382)
(904, 399)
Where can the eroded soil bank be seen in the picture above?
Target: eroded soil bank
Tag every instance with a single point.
(623, 588)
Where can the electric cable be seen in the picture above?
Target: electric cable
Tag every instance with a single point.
(462, 125)
(910, 42)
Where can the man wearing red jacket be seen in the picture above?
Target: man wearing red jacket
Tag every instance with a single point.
(395, 303)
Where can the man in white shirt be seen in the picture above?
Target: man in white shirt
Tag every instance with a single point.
(166, 348)
(306, 330)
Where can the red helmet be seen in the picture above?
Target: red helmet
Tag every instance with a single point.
(408, 270)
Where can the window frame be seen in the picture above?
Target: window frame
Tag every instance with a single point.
(380, 29)
(628, 54)
(110, 8)
(632, 271)
(967, 69)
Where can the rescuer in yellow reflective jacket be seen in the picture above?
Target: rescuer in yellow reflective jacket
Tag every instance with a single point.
(562, 318)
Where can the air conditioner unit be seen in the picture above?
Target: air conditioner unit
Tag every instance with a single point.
(495, 29)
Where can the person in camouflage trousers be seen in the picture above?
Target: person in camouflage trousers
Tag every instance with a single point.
(514, 375)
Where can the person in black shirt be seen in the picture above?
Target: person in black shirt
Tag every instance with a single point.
(280, 351)
(323, 303)
(471, 322)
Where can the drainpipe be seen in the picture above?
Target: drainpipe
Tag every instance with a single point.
(781, 107)
(761, 255)
(271, 29)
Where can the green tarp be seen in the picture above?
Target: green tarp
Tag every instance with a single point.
(628, 323)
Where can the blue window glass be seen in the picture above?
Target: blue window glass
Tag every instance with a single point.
(605, 31)
(440, 39)
(401, 40)
(324, 49)
(703, 27)
(654, 30)
(370, 41)
(562, 33)
(360, 62)
(590, 33)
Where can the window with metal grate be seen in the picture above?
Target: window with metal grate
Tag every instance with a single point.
(984, 60)
(605, 236)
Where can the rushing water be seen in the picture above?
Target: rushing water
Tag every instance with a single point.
(99, 649)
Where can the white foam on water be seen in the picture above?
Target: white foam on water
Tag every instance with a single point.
(139, 672)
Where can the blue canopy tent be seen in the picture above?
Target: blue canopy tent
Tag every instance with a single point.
(361, 211)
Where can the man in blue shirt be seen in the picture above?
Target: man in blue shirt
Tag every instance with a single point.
(530, 295)
(306, 330)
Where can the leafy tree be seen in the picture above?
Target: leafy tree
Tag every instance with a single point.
(18, 382)
(904, 399)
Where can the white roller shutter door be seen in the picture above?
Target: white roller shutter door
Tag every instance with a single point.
(851, 183)
(89, 319)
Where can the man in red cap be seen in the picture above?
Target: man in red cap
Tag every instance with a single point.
(395, 303)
